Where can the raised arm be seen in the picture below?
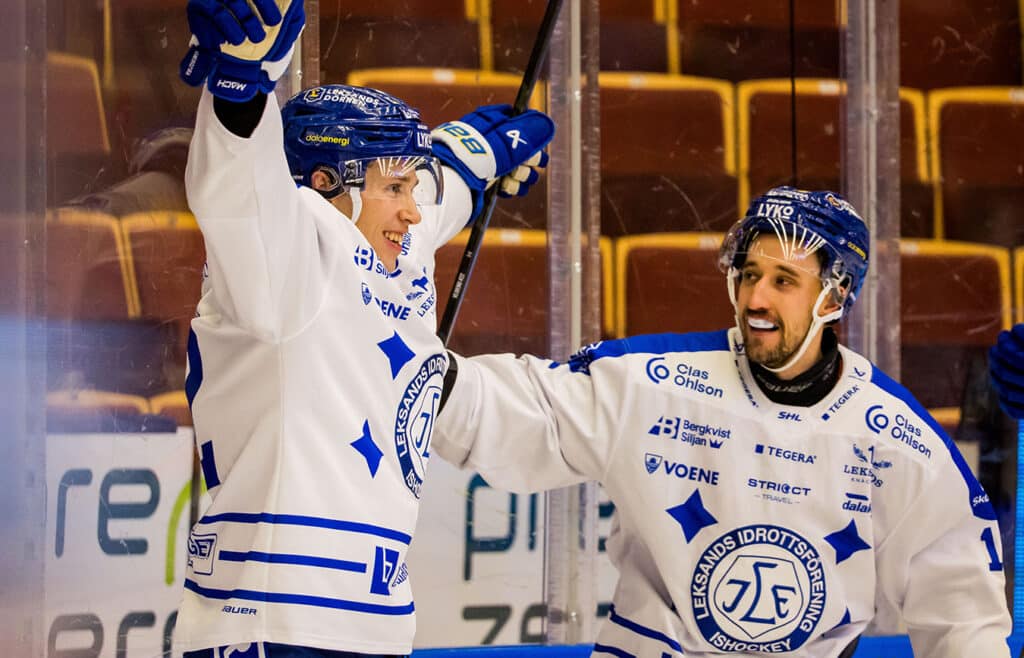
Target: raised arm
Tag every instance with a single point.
(263, 258)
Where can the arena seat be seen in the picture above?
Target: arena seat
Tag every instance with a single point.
(444, 94)
(505, 308)
(765, 144)
(94, 411)
(954, 300)
(745, 39)
(632, 35)
(167, 257)
(358, 35)
(89, 273)
(952, 43)
(670, 282)
(667, 154)
(76, 123)
(96, 338)
(447, 94)
(172, 404)
(977, 158)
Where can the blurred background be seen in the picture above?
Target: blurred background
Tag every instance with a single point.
(672, 115)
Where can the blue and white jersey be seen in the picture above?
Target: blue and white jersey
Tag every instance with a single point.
(742, 526)
(314, 377)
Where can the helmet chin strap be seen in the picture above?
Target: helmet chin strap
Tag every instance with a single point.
(817, 321)
(357, 203)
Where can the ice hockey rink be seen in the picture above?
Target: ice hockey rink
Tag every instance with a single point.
(672, 115)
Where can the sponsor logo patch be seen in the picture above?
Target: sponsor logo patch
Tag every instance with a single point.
(898, 427)
(683, 376)
(686, 431)
(201, 550)
(655, 464)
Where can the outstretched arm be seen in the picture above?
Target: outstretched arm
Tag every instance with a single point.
(525, 425)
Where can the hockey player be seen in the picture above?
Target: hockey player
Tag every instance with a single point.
(774, 491)
(314, 369)
(1006, 364)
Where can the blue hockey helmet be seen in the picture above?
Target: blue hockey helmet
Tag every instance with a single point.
(340, 130)
(822, 223)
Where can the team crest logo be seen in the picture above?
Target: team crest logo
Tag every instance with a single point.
(201, 549)
(414, 421)
(759, 588)
(367, 295)
(652, 462)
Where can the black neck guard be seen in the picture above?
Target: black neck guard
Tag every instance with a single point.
(809, 387)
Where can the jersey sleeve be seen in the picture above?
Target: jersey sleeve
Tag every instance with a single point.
(266, 261)
(941, 569)
(526, 424)
(457, 206)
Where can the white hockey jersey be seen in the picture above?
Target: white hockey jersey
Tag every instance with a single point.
(742, 526)
(314, 377)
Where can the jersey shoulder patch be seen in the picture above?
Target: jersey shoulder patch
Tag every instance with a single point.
(711, 341)
(893, 425)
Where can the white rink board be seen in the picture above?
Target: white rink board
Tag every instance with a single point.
(504, 590)
(115, 563)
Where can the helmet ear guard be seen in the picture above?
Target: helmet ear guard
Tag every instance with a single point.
(342, 130)
(334, 185)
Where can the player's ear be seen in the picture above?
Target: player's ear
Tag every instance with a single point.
(833, 301)
(320, 180)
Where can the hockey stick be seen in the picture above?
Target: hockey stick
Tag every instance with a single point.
(476, 236)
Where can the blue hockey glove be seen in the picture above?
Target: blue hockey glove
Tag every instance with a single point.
(1006, 366)
(491, 143)
(238, 51)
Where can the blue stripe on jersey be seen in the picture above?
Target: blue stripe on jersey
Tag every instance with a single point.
(711, 341)
(630, 625)
(194, 379)
(979, 501)
(209, 465)
(310, 521)
(615, 651)
(286, 558)
(299, 599)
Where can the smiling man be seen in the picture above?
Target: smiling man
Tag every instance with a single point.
(315, 335)
(774, 492)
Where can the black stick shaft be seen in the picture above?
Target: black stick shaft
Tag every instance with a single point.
(476, 235)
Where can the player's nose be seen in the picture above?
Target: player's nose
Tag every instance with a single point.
(410, 212)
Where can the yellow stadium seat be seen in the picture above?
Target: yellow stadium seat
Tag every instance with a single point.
(667, 154)
(977, 158)
(446, 94)
(766, 144)
(954, 300)
(670, 282)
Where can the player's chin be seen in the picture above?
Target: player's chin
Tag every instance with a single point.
(388, 252)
